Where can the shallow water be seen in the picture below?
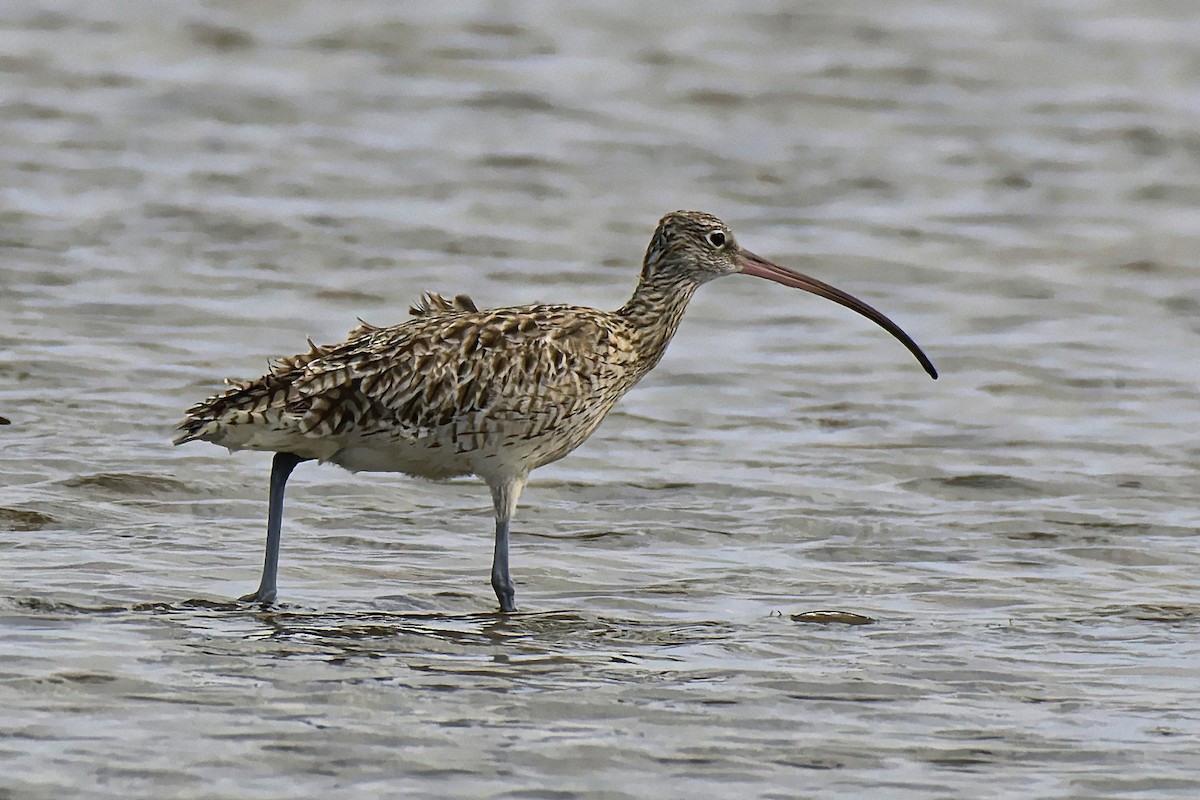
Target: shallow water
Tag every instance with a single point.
(189, 190)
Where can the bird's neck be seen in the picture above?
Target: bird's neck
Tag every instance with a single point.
(653, 315)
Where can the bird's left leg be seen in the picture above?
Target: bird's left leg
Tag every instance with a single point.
(281, 467)
(505, 492)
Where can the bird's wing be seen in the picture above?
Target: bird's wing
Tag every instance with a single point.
(528, 365)
(519, 363)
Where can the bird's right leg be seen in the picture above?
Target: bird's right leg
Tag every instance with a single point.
(504, 496)
(281, 467)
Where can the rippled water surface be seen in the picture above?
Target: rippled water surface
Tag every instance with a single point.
(192, 188)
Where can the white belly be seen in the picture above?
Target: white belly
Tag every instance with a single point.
(443, 454)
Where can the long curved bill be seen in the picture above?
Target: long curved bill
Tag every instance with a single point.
(752, 264)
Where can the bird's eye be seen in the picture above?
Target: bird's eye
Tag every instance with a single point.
(716, 238)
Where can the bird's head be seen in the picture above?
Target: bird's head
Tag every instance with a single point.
(690, 248)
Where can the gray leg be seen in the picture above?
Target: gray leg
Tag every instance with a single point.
(504, 496)
(281, 467)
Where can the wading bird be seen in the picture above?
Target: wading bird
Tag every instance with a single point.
(495, 393)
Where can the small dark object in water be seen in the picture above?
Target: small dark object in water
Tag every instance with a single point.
(833, 617)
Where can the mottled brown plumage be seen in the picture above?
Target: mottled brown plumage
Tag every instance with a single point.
(451, 392)
(494, 393)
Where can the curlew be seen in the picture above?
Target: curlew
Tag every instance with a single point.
(494, 393)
